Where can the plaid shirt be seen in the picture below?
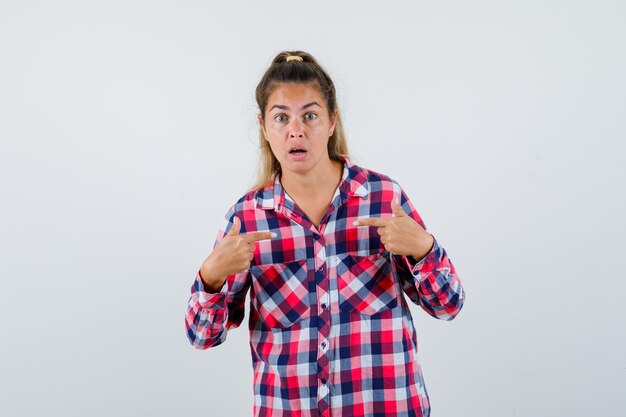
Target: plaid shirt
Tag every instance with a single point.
(330, 332)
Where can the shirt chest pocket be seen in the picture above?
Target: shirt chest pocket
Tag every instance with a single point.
(282, 296)
(366, 283)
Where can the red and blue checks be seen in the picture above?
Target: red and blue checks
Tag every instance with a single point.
(330, 332)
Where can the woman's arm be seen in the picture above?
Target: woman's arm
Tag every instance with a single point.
(430, 282)
(211, 314)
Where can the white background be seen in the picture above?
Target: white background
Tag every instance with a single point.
(129, 127)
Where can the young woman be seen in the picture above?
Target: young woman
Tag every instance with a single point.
(326, 248)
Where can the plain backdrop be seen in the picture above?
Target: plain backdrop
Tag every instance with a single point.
(128, 128)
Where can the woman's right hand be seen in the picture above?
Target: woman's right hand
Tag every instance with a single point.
(231, 256)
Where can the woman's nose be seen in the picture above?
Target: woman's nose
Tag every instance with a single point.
(295, 130)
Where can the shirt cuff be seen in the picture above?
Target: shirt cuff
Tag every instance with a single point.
(210, 299)
(427, 264)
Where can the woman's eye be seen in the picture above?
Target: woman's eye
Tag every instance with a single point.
(280, 118)
(310, 116)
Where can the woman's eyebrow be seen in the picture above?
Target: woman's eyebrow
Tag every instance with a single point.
(283, 107)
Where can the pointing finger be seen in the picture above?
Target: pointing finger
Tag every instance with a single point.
(370, 221)
(256, 236)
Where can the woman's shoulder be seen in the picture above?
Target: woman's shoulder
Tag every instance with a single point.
(251, 200)
(375, 178)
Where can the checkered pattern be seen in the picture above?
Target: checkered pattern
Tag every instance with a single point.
(330, 332)
(366, 283)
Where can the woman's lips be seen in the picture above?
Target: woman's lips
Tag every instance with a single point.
(298, 156)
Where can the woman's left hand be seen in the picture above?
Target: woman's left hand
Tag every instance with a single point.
(401, 234)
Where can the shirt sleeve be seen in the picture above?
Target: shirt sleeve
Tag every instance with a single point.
(210, 315)
(431, 282)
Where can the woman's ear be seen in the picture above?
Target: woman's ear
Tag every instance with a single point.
(260, 118)
(333, 122)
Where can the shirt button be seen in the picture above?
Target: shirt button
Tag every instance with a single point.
(324, 381)
(323, 391)
(322, 268)
(324, 306)
(316, 237)
(323, 344)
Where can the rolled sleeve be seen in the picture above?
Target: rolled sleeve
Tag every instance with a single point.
(209, 300)
(427, 264)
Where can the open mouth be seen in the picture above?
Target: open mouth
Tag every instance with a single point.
(297, 151)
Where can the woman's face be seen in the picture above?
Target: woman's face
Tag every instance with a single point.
(297, 127)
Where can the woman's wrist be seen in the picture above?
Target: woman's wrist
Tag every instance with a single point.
(211, 280)
(425, 246)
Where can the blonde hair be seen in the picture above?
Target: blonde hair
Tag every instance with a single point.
(304, 71)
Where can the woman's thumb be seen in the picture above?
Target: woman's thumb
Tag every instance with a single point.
(234, 231)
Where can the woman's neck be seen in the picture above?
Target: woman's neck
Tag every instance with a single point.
(316, 183)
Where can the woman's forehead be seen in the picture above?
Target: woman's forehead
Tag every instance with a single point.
(296, 94)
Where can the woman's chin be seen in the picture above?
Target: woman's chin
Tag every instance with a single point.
(301, 166)
(297, 167)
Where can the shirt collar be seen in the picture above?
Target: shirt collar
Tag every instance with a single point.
(353, 183)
